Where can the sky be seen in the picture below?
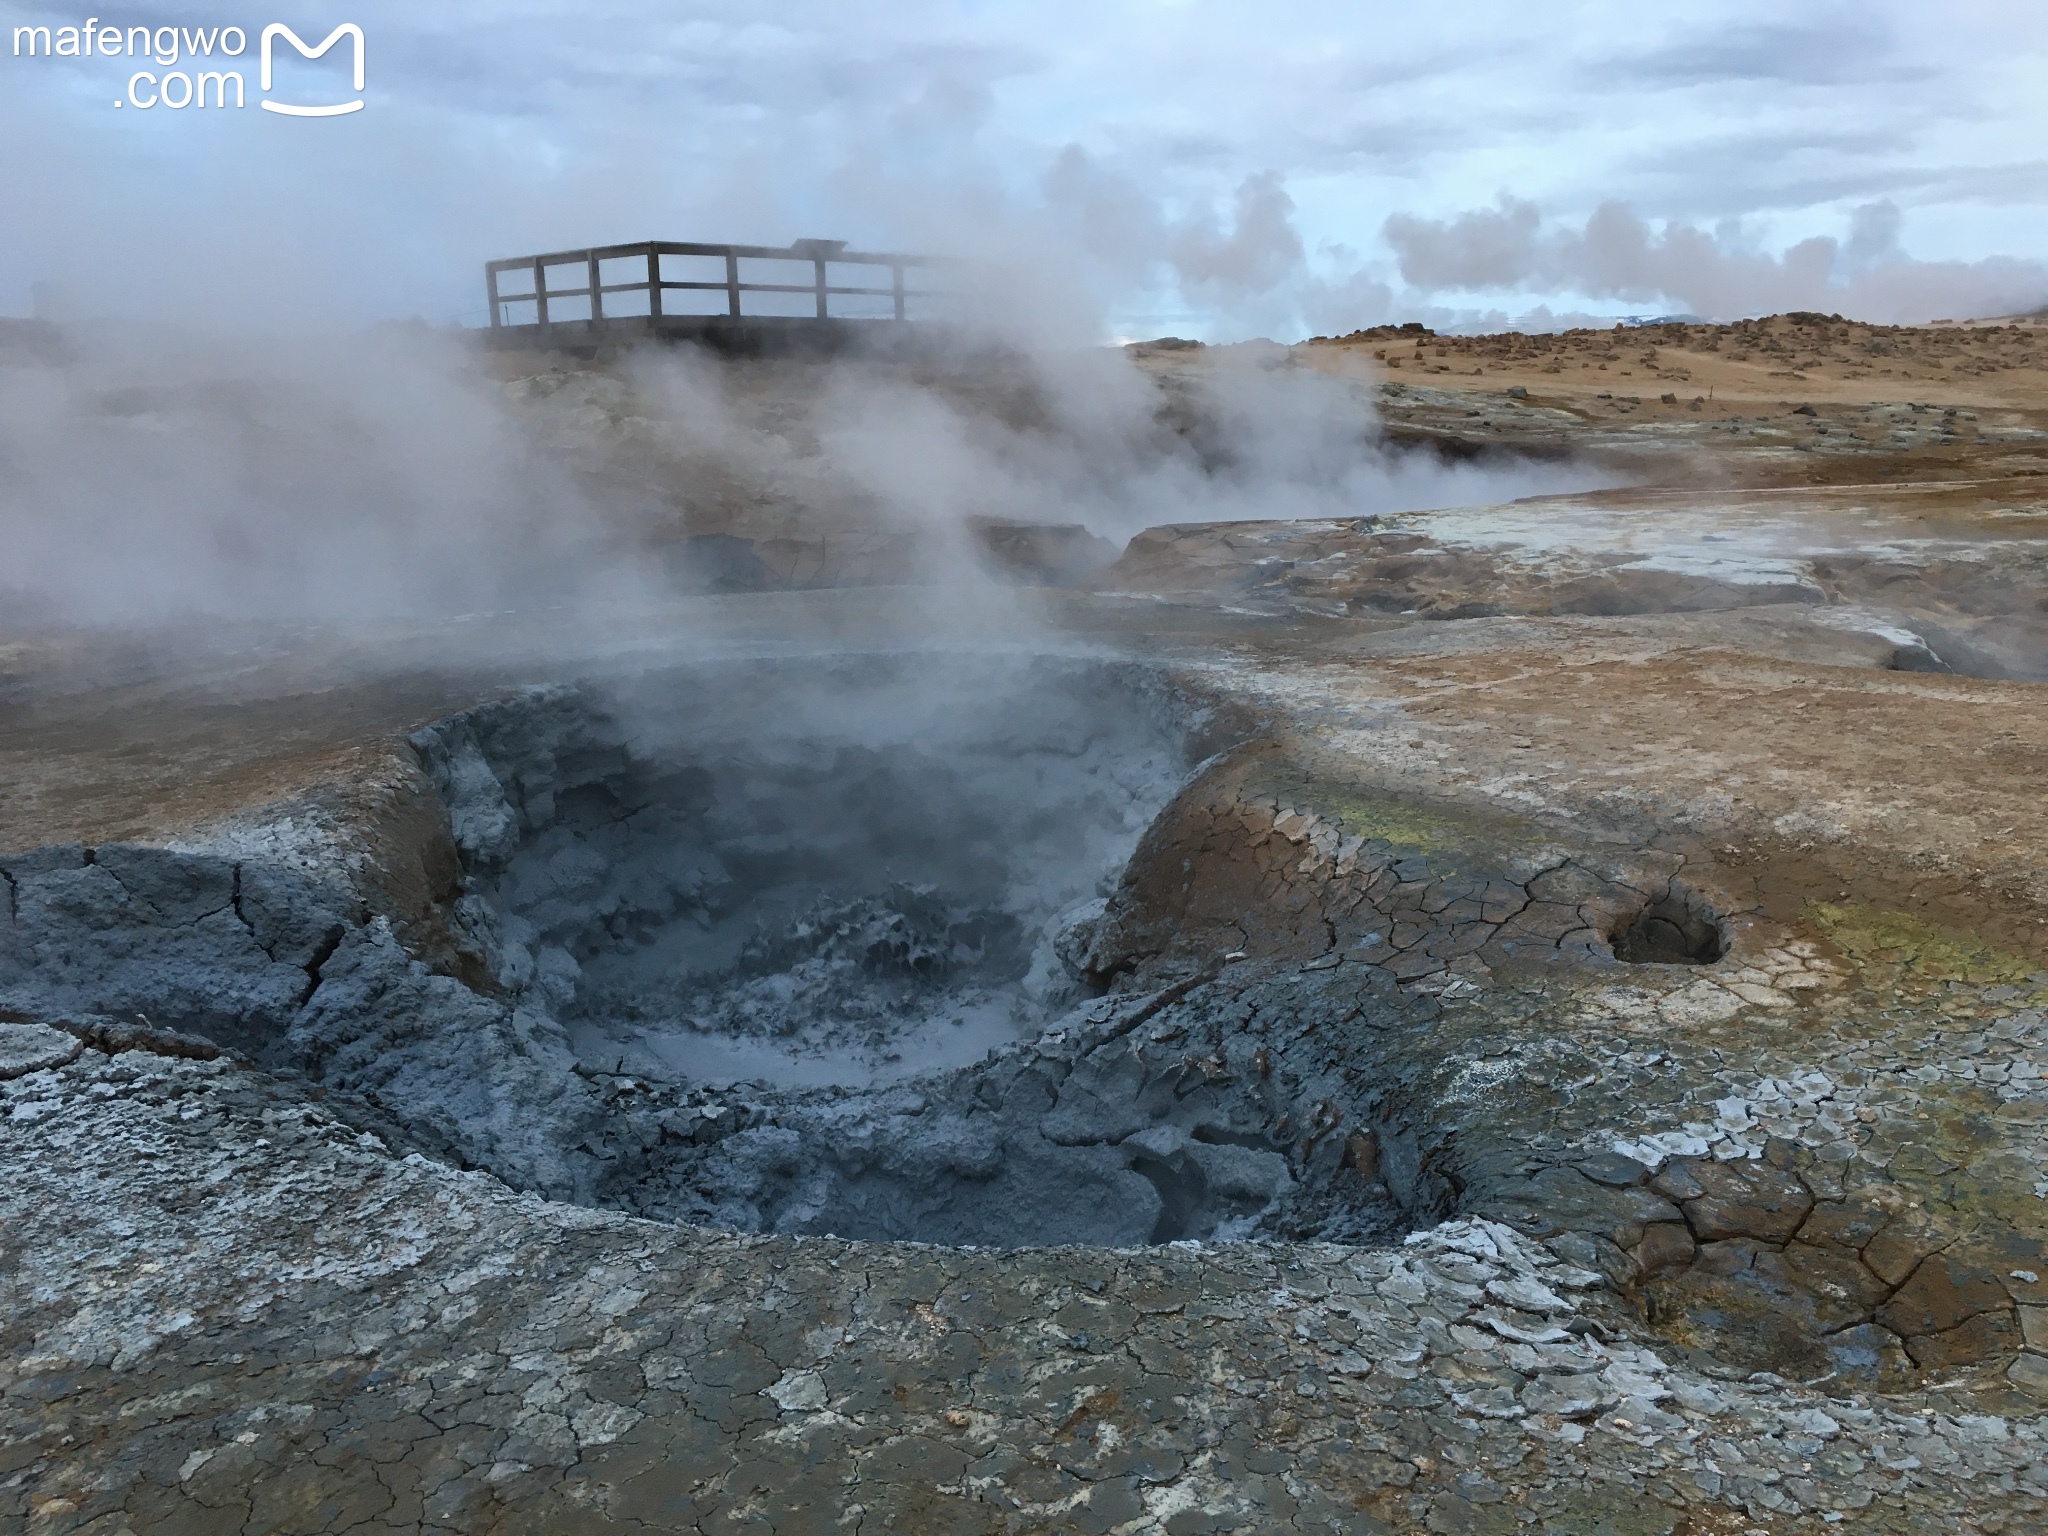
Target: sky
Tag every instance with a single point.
(1138, 167)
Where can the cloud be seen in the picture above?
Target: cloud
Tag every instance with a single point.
(1873, 236)
(1247, 268)
(1260, 248)
(1841, 47)
(1617, 255)
(1482, 248)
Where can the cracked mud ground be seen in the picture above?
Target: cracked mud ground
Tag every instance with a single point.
(1628, 946)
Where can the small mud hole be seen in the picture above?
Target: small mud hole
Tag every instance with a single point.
(1676, 929)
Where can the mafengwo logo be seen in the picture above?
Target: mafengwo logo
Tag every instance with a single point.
(167, 85)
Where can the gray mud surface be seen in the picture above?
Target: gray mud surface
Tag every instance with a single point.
(834, 862)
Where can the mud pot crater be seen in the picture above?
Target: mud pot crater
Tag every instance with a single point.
(818, 939)
(986, 950)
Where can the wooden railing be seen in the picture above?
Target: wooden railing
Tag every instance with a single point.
(820, 253)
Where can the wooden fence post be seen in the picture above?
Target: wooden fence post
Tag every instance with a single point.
(540, 291)
(491, 290)
(732, 285)
(820, 264)
(596, 295)
(653, 283)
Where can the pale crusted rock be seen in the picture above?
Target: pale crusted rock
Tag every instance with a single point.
(26, 1048)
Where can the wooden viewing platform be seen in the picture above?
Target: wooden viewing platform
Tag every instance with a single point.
(639, 305)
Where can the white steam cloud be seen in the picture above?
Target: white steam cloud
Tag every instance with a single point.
(144, 480)
(145, 476)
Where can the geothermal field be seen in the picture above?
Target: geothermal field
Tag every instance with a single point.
(1402, 933)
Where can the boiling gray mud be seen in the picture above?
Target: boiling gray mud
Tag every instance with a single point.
(1231, 1115)
(797, 874)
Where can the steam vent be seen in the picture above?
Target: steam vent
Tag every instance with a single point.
(925, 943)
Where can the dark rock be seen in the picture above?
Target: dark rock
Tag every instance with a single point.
(1615, 1169)
(1844, 1292)
(1596, 1254)
(2020, 1261)
(1849, 1224)
(1666, 1248)
(1735, 1256)
(1740, 1302)
(113, 1036)
(1565, 1200)
(1675, 1181)
(1745, 1199)
(1870, 1355)
(2030, 1374)
(1984, 1337)
(1896, 1251)
(1916, 1161)
(1941, 1294)
(1048, 554)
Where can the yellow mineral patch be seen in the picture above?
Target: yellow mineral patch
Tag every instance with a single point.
(1876, 936)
